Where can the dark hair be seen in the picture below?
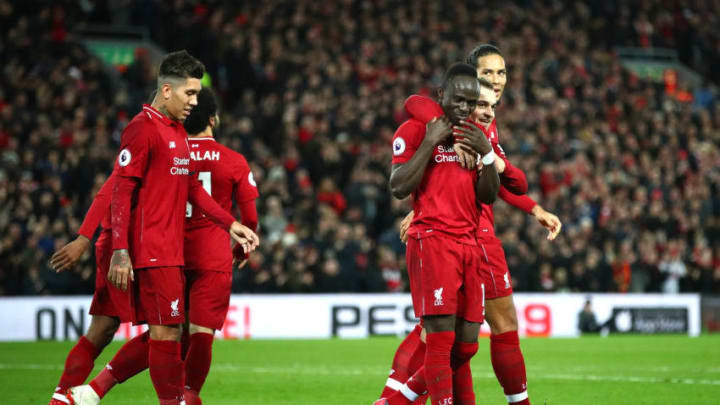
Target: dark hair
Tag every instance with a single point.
(200, 115)
(458, 69)
(181, 65)
(480, 51)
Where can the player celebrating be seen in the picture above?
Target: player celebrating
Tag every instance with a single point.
(506, 357)
(150, 191)
(442, 252)
(208, 260)
(224, 173)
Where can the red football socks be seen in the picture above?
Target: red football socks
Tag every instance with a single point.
(438, 374)
(197, 362)
(184, 343)
(78, 365)
(409, 356)
(166, 370)
(131, 359)
(463, 392)
(509, 365)
(413, 391)
(103, 382)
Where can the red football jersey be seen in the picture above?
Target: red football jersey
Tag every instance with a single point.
(486, 226)
(223, 173)
(445, 200)
(154, 149)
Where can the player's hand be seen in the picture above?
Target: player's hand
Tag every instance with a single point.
(499, 165)
(240, 258)
(467, 158)
(405, 225)
(549, 220)
(244, 236)
(120, 269)
(438, 130)
(69, 254)
(470, 135)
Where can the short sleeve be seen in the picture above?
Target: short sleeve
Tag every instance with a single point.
(134, 153)
(407, 140)
(245, 186)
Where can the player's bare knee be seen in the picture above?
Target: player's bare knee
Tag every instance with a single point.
(466, 331)
(165, 332)
(439, 323)
(501, 315)
(102, 330)
(200, 329)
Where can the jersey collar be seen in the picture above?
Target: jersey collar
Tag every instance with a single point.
(155, 114)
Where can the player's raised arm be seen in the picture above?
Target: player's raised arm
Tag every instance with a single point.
(405, 177)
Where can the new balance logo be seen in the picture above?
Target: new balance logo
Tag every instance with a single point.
(172, 144)
(506, 277)
(438, 297)
(174, 307)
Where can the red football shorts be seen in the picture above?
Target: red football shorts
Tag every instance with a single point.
(494, 270)
(208, 297)
(159, 296)
(445, 279)
(108, 300)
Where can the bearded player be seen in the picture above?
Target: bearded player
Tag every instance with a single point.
(132, 357)
(225, 174)
(151, 187)
(506, 357)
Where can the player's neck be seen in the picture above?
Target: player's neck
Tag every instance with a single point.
(160, 106)
(207, 133)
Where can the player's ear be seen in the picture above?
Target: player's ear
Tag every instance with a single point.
(166, 91)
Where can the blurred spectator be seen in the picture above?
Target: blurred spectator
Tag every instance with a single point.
(312, 93)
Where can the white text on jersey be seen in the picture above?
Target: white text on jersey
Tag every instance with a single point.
(208, 155)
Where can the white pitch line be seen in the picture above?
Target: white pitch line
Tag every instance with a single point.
(633, 379)
(371, 370)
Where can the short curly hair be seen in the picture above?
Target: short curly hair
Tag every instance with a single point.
(200, 115)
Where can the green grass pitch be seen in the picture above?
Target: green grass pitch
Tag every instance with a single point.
(591, 370)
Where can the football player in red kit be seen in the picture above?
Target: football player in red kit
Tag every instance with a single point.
(152, 184)
(212, 248)
(225, 175)
(443, 254)
(506, 357)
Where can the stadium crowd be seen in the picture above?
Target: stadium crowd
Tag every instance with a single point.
(312, 92)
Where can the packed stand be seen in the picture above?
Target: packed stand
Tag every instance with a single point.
(312, 93)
